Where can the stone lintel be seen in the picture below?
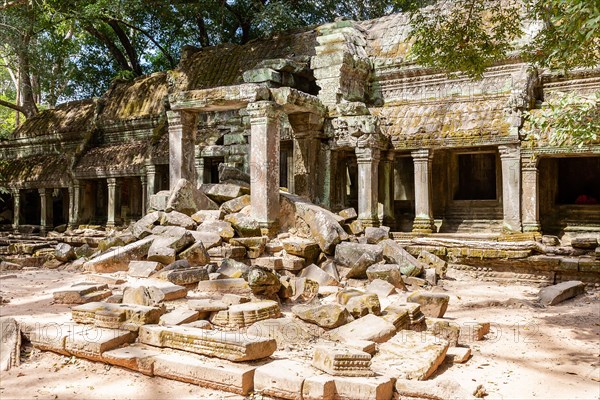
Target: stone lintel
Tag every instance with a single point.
(220, 98)
(294, 101)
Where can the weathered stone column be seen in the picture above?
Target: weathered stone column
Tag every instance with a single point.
(112, 201)
(16, 194)
(368, 182)
(144, 183)
(74, 193)
(46, 210)
(306, 152)
(423, 222)
(199, 165)
(150, 183)
(529, 199)
(386, 192)
(182, 133)
(510, 156)
(264, 162)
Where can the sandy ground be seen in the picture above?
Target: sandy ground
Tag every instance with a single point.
(531, 353)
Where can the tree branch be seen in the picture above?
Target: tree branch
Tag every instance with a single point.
(129, 49)
(158, 45)
(112, 48)
(12, 106)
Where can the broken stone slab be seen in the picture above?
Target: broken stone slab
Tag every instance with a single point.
(274, 263)
(381, 288)
(584, 243)
(222, 286)
(207, 215)
(233, 269)
(458, 355)
(410, 355)
(431, 276)
(254, 245)
(348, 214)
(322, 224)
(136, 357)
(165, 249)
(179, 316)
(305, 290)
(186, 199)
(236, 205)
(375, 235)
(395, 254)
(64, 252)
(327, 316)
(377, 387)
(432, 304)
(205, 372)
(143, 269)
(246, 314)
(338, 360)
(358, 257)
(143, 295)
(282, 379)
(227, 345)
(555, 294)
(355, 227)
(207, 305)
(117, 259)
(286, 330)
(370, 327)
(10, 343)
(227, 251)
(301, 247)
(82, 293)
(93, 341)
(183, 276)
(227, 173)
(223, 192)
(231, 299)
(221, 228)
(263, 281)
(438, 389)
(196, 255)
(359, 303)
(316, 274)
(444, 329)
(143, 227)
(158, 201)
(117, 316)
(292, 262)
(208, 239)
(319, 387)
(387, 272)
(415, 315)
(175, 218)
(244, 225)
(440, 266)
(201, 324)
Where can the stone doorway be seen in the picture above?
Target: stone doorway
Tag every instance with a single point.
(211, 169)
(404, 192)
(286, 165)
(60, 206)
(30, 207)
(476, 177)
(6, 210)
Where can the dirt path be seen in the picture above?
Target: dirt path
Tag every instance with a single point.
(531, 353)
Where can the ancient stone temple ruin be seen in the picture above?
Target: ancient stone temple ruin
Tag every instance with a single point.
(308, 181)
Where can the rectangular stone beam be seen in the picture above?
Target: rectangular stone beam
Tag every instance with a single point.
(294, 101)
(220, 98)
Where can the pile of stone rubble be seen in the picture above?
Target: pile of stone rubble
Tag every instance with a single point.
(195, 292)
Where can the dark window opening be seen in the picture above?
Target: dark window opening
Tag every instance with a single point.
(30, 207)
(285, 163)
(351, 183)
(211, 169)
(6, 209)
(476, 177)
(579, 181)
(60, 206)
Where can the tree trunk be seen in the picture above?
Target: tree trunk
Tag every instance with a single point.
(202, 32)
(129, 49)
(28, 105)
(112, 47)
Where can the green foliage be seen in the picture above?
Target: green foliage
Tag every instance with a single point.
(464, 35)
(566, 119)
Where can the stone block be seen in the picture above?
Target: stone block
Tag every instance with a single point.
(233, 269)
(175, 218)
(207, 215)
(116, 316)
(316, 274)
(458, 355)
(196, 255)
(164, 249)
(358, 303)
(187, 199)
(375, 235)
(305, 290)
(82, 293)
(221, 228)
(143, 295)
(236, 205)
(381, 288)
(64, 252)
(246, 314)
(370, 327)
(354, 228)
(361, 388)
(438, 389)
(244, 225)
(584, 243)
(305, 248)
(231, 299)
(137, 357)
(339, 360)
(319, 387)
(358, 257)
(143, 227)
(117, 259)
(421, 354)
(348, 214)
(223, 286)
(143, 269)
(208, 239)
(179, 316)
(555, 294)
(205, 372)
(226, 345)
(90, 343)
(158, 201)
(440, 266)
(222, 192)
(281, 379)
(432, 304)
(10, 343)
(207, 305)
(327, 316)
(292, 262)
(185, 276)
(395, 254)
